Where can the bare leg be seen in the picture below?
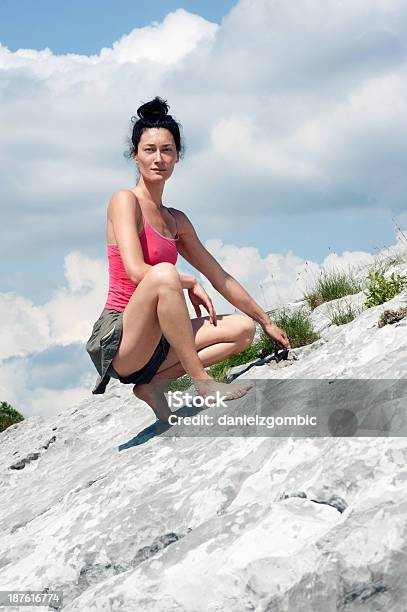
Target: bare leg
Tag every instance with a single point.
(153, 392)
(239, 330)
(175, 324)
(173, 315)
(158, 307)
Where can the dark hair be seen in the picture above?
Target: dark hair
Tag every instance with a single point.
(154, 114)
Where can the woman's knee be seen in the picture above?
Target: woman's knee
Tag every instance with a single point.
(164, 274)
(241, 330)
(246, 330)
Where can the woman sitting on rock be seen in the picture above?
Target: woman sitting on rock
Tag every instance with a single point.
(144, 334)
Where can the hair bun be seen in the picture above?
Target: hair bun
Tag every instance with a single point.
(155, 109)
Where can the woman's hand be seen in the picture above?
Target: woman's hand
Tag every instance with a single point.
(198, 297)
(276, 334)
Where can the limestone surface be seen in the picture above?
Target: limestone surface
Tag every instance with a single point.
(97, 504)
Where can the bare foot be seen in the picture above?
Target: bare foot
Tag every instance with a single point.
(153, 395)
(228, 391)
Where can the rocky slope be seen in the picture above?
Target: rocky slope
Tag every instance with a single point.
(94, 504)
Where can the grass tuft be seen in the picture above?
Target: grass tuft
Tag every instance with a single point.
(332, 285)
(340, 315)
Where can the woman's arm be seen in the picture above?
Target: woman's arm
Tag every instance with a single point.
(192, 249)
(234, 293)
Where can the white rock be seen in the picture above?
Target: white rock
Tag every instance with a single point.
(121, 521)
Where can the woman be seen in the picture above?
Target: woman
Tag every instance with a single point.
(145, 336)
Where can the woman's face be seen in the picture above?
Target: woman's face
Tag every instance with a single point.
(156, 154)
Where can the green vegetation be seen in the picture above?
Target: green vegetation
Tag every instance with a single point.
(298, 326)
(381, 289)
(341, 315)
(8, 416)
(180, 384)
(332, 285)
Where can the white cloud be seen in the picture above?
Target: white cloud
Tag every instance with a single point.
(25, 327)
(72, 307)
(272, 281)
(65, 318)
(42, 401)
(166, 43)
(239, 140)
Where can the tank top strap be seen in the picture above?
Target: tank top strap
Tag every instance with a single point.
(176, 223)
(143, 219)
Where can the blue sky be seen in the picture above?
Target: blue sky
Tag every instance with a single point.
(294, 116)
(86, 27)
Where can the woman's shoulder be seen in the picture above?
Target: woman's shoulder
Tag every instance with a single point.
(124, 203)
(124, 198)
(124, 195)
(180, 217)
(184, 224)
(179, 214)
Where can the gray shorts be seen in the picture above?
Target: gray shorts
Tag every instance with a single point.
(103, 344)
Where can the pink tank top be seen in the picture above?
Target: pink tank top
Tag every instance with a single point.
(156, 248)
